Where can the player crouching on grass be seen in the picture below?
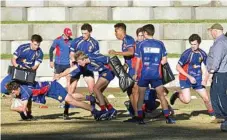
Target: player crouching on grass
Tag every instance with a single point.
(151, 102)
(100, 63)
(54, 90)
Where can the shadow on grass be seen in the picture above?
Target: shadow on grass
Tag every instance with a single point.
(114, 130)
(54, 116)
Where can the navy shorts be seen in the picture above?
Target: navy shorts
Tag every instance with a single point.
(108, 75)
(60, 68)
(82, 71)
(152, 82)
(187, 84)
(57, 91)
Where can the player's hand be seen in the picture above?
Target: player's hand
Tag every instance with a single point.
(52, 65)
(57, 77)
(192, 80)
(112, 52)
(204, 82)
(125, 66)
(134, 77)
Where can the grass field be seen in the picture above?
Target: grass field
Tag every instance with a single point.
(193, 123)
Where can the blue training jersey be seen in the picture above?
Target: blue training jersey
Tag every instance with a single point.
(128, 42)
(90, 46)
(191, 62)
(151, 52)
(98, 63)
(62, 47)
(26, 56)
(25, 93)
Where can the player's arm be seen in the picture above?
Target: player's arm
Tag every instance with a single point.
(205, 75)
(22, 108)
(66, 72)
(16, 54)
(72, 53)
(205, 72)
(130, 52)
(13, 61)
(138, 61)
(164, 60)
(164, 55)
(72, 58)
(182, 71)
(51, 53)
(38, 60)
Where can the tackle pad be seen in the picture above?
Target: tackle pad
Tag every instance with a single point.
(125, 81)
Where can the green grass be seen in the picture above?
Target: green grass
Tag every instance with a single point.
(115, 21)
(46, 56)
(193, 123)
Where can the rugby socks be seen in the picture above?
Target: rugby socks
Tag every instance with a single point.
(144, 107)
(103, 108)
(166, 113)
(140, 113)
(109, 107)
(211, 112)
(87, 97)
(90, 98)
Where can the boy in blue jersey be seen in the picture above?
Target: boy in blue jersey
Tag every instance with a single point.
(135, 95)
(128, 50)
(62, 61)
(153, 54)
(27, 56)
(191, 74)
(54, 90)
(88, 45)
(99, 63)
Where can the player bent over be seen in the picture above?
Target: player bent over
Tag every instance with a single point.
(96, 62)
(54, 90)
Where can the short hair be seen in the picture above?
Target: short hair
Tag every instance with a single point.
(36, 38)
(149, 28)
(12, 86)
(194, 37)
(226, 34)
(120, 25)
(87, 27)
(138, 31)
(79, 55)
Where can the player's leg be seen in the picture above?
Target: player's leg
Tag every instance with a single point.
(157, 84)
(70, 99)
(204, 95)
(133, 93)
(135, 96)
(100, 84)
(5, 81)
(184, 95)
(140, 104)
(90, 83)
(57, 70)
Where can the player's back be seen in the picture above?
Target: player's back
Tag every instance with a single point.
(151, 52)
